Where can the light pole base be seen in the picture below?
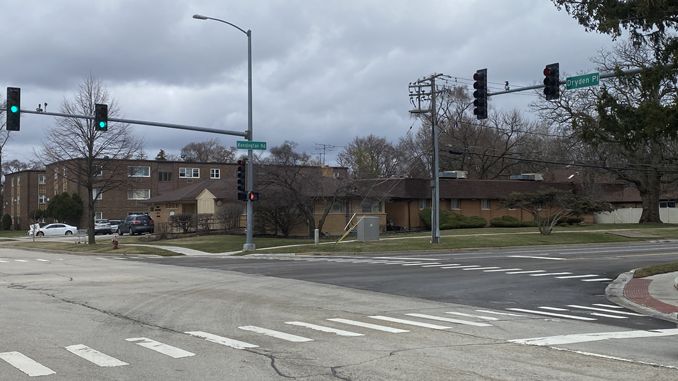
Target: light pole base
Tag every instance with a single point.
(248, 247)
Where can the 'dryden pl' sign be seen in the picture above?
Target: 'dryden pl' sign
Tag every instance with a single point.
(250, 145)
(585, 80)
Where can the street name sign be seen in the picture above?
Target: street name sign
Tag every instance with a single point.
(250, 145)
(586, 80)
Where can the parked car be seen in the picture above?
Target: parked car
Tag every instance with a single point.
(102, 226)
(53, 229)
(114, 225)
(136, 224)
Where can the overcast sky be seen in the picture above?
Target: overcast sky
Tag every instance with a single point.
(325, 71)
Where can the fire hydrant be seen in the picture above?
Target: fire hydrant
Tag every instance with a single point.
(115, 242)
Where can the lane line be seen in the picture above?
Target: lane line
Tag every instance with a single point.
(449, 320)
(94, 356)
(161, 348)
(368, 325)
(448, 264)
(21, 260)
(460, 267)
(527, 272)
(596, 280)
(2, 261)
(550, 274)
(554, 309)
(324, 329)
(410, 322)
(276, 334)
(492, 271)
(419, 264)
(526, 256)
(470, 315)
(482, 268)
(42, 260)
(222, 340)
(605, 310)
(551, 314)
(500, 313)
(588, 337)
(26, 364)
(575, 276)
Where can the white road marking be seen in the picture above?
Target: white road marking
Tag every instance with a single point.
(324, 329)
(551, 314)
(605, 310)
(162, 348)
(410, 322)
(610, 316)
(607, 305)
(596, 280)
(42, 260)
(419, 264)
(460, 267)
(26, 364)
(492, 271)
(449, 320)
(3, 261)
(222, 340)
(575, 276)
(499, 313)
(550, 274)
(481, 268)
(94, 356)
(448, 264)
(408, 259)
(276, 334)
(368, 325)
(588, 337)
(21, 260)
(525, 256)
(554, 309)
(469, 315)
(527, 272)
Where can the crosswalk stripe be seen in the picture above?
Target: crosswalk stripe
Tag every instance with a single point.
(575, 276)
(481, 268)
(554, 309)
(610, 316)
(527, 272)
(410, 322)
(324, 329)
(447, 264)
(551, 274)
(524, 256)
(26, 364)
(222, 340)
(276, 334)
(160, 347)
(368, 325)
(21, 260)
(3, 261)
(450, 320)
(94, 356)
(499, 313)
(596, 280)
(408, 259)
(42, 260)
(500, 270)
(470, 315)
(605, 310)
(598, 336)
(607, 305)
(460, 267)
(551, 314)
(418, 264)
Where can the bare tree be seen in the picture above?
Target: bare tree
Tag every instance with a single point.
(370, 157)
(89, 154)
(210, 151)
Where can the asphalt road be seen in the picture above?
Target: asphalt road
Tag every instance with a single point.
(548, 280)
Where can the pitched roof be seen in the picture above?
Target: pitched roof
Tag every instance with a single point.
(222, 189)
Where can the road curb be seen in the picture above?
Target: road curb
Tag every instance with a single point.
(615, 293)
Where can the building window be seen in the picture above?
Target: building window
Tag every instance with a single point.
(97, 194)
(189, 173)
(165, 177)
(98, 215)
(337, 207)
(138, 194)
(424, 203)
(371, 206)
(215, 173)
(12, 181)
(667, 204)
(18, 181)
(455, 204)
(485, 204)
(139, 171)
(540, 206)
(56, 175)
(42, 199)
(98, 170)
(18, 198)
(41, 179)
(65, 172)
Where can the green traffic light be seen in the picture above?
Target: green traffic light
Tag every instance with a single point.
(102, 124)
(14, 109)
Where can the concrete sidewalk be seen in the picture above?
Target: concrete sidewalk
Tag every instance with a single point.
(656, 295)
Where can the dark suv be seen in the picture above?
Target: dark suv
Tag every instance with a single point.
(136, 224)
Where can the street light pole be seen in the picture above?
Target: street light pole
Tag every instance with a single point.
(249, 245)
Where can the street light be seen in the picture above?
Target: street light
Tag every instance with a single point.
(248, 246)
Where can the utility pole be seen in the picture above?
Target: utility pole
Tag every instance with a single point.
(419, 94)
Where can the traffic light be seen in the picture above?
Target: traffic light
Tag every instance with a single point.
(480, 95)
(552, 81)
(242, 180)
(254, 196)
(13, 108)
(101, 117)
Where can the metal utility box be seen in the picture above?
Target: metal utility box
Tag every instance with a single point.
(368, 229)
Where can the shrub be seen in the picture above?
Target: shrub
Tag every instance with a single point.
(6, 222)
(183, 221)
(511, 222)
(451, 220)
(574, 220)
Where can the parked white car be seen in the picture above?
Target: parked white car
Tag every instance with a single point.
(53, 229)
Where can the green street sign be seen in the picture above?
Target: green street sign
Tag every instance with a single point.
(250, 145)
(585, 80)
